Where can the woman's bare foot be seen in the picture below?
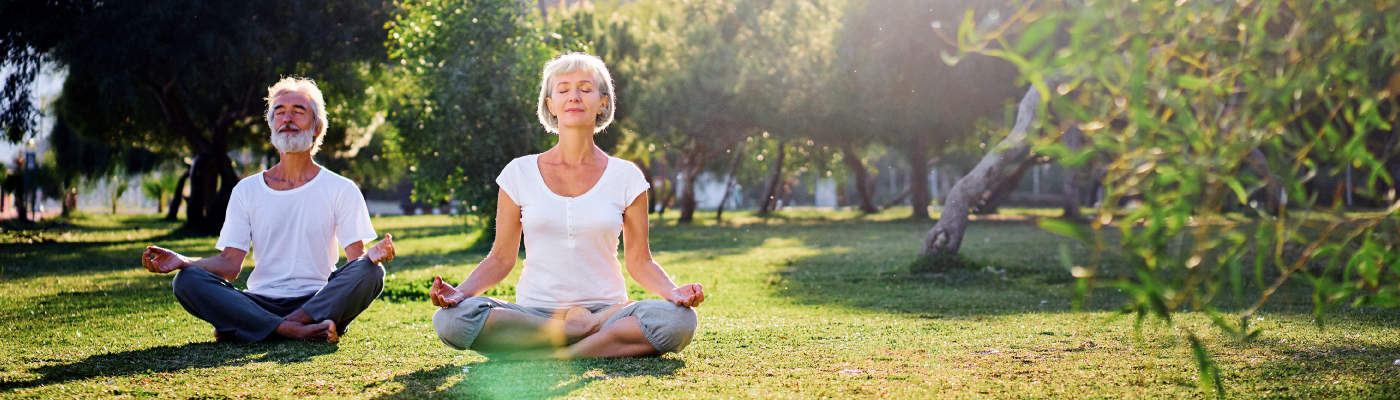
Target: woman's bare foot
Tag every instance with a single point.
(579, 323)
(603, 315)
(382, 251)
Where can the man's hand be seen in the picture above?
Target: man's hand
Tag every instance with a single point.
(444, 295)
(160, 260)
(383, 251)
(689, 295)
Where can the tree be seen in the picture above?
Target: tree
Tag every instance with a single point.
(159, 186)
(1180, 98)
(474, 66)
(693, 52)
(905, 94)
(188, 78)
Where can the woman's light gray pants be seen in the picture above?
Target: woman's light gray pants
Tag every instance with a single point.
(667, 326)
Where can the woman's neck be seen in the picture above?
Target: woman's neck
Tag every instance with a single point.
(576, 146)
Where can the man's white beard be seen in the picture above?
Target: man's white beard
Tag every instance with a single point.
(293, 141)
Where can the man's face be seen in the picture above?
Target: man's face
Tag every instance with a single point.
(293, 120)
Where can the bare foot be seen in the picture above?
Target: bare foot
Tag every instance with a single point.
(332, 335)
(321, 331)
(224, 336)
(606, 313)
(382, 251)
(579, 323)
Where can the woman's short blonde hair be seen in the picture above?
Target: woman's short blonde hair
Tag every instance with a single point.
(573, 62)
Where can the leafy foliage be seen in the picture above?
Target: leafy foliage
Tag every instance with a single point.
(474, 66)
(1179, 97)
(187, 78)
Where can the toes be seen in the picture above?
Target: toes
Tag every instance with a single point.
(332, 335)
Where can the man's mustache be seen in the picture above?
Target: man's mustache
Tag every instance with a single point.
(289, 128)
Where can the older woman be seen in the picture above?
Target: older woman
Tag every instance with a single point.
(570, 203)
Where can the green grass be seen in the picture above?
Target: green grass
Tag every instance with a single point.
(806, 304)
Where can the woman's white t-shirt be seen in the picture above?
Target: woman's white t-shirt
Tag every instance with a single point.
(571, 242)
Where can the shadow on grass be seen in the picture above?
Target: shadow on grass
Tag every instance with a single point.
(523, 379)
(172, 358)
(50, 258)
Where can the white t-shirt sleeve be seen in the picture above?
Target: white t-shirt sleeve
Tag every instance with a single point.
(509, 180)
(237, 231)
(635, 183)
(352, 218)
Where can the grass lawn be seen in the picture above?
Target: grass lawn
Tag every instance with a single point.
(809, 304)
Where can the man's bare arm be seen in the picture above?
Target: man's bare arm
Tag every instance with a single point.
(226, 265)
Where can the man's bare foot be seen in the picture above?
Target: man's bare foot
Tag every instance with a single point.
(224, 336)
(382, 251)
(332, 335)
(321, 331)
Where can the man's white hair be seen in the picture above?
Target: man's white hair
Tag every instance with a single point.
(308, 88)
(574, 62)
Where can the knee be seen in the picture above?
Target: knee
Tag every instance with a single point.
(667, 326)
(457, 327)
(187, 282)
(365, 270)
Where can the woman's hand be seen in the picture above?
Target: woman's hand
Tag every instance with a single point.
(689, 295)
(444, 295)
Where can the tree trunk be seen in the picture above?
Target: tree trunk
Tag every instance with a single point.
(22, 196)
(211, 184)
(1002, 190)
(897, 199)
(997, 165)
(173, 213)
(729, 182)
(770, 191)
(1273, 188)
(919, 196)
(1074, 139)
(687, 199)
(694, 163)
(862, 177)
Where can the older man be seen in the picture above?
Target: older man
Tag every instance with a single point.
(295, 213)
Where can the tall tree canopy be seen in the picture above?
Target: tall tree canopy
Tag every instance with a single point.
(906, 95)
(188, 78)
(475, 67)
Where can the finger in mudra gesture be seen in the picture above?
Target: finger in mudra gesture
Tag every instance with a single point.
(161, 260)
(444, 295)
(689, 295)
(382, 251)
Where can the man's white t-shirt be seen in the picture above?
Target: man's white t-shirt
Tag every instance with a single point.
(571, 242)
(298, 232)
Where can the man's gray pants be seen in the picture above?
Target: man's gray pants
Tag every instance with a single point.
(250, 317)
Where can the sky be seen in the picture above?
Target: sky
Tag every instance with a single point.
(46, 89)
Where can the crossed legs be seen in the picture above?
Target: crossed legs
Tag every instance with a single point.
(323, 316)
(633, 329)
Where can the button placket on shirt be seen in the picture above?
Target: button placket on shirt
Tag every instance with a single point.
(569, 219)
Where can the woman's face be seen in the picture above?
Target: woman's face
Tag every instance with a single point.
(575, 100)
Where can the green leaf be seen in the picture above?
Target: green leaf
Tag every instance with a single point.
(1234, 185)
(1065, 228)
(1207, 371)
(1035, 34)
(1191, 82)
